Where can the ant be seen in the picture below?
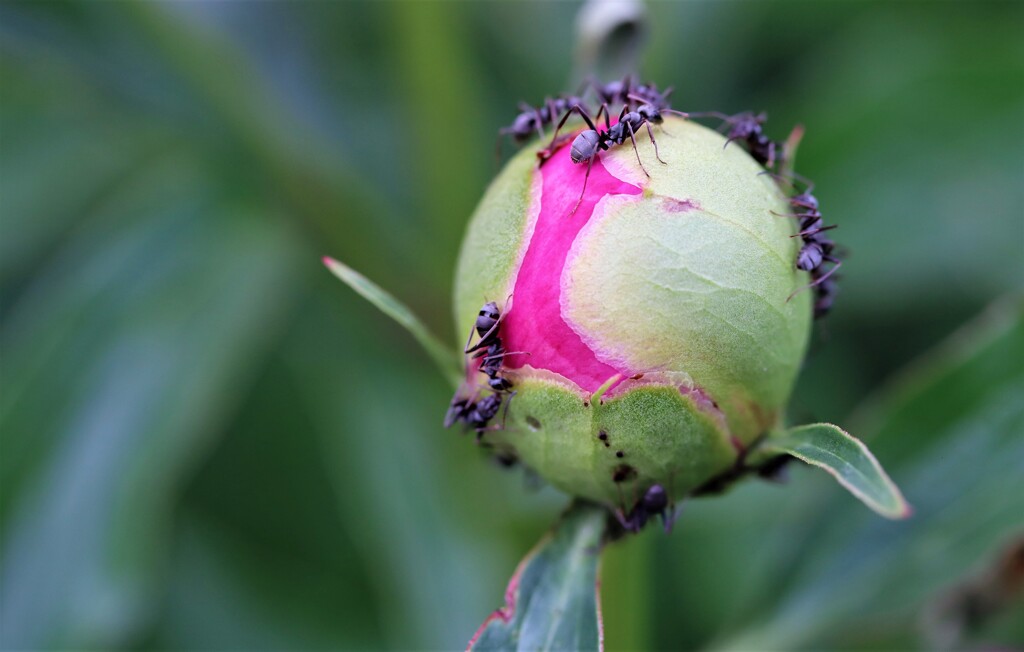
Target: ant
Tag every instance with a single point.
(749, 128)
(817, 248)
(624, 92)
(490, 347)
(654, 503)
(649, 101)
(475, 414)
(590, 142)
(486, 326)
(478, 413)
(532, 119)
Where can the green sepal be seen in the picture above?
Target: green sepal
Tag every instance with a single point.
(447, 363)
(843, 456)
(551, 602)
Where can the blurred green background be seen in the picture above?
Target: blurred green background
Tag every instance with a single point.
(209, 442)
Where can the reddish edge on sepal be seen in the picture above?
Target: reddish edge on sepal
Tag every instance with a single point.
(505, 613)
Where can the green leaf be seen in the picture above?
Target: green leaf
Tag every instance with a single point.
(438, 352)
(551, 600)
(957, 468)
(89, 488)
(847, 459)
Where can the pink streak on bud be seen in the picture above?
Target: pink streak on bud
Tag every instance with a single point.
(681, 205)
(534, 323)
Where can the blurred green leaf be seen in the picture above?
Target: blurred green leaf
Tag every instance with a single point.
(186, 465)
(90, 482)
(551, 600)
(851, 570)
(446, 362)
(844, 457)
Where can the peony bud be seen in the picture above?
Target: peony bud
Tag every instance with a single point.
(649, 336)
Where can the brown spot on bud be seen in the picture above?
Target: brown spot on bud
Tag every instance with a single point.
(623, 472)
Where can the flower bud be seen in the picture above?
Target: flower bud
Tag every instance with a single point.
(650, 335)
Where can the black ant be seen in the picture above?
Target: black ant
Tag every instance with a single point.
(614, 92)
(655, 502)
(533, 119)
(817, 248)
(494, 355)
(624, 92)
(478, 413)
(588, 143)
(486, 327)
(749, 128)
(475, 414)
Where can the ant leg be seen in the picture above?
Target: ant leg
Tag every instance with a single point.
(539, 117)
(650, 132)
(504, 416)
(589, 83)
(669, 520)
(484, 338)
(837, 264)
(502, 355)
(545, 154)
(636, 151)
(620, 517)
(636, 98)
(551, 114)
(582, 192)
(790, 178)
(814, 231)
(799, 216)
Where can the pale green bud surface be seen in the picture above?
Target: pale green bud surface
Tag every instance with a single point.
(650, 335)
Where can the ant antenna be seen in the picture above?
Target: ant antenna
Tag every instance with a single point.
(789, 178)
(503, 354)
(583, 192)
(712, 114)
(813, 231)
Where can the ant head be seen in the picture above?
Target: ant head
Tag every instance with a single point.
(584, 147)
(613, 89)
(805, 200)
(524, 123)
(490, 310)
(655, 500)
(650, 113)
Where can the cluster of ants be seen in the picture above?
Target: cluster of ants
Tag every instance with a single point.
(817, 254)
(473, 411)
(644, 105)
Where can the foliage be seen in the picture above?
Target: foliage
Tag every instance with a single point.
(550, 603)
(208, 442)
